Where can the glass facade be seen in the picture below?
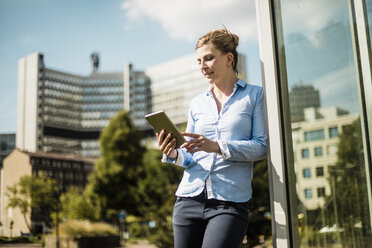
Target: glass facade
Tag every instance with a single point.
(7, 145)
(74, 109)
(318, 68)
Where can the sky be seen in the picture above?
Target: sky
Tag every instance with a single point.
(141, 32)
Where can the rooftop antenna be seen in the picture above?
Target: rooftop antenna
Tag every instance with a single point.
(94, 57)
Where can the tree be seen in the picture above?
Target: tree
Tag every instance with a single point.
(76, 204)
(34, 194)
(116, 174)
(157, 189)
(347, 206)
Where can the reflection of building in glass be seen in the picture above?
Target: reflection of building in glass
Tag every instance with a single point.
(315, 146)
(301, 97)
(7, 146)
(176, 82)
(64, 113)
(67, 170)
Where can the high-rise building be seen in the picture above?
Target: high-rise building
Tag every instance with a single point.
(7, 145)
(175, 82)
(301, 97)
(65, 113)
(137, 95)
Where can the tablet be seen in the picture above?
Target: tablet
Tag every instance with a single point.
(159, 121)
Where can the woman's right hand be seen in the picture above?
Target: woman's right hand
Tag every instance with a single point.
(166, 144)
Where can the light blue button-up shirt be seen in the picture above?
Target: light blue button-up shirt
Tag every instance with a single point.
(240, 131)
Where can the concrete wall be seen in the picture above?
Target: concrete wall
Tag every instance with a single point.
(27, 103)
(16, 165)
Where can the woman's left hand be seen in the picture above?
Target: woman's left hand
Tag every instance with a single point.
(199, 143)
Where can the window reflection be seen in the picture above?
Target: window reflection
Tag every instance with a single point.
(324, 109)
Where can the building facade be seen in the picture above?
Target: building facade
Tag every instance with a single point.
(137, 95)
(7, 145)
(65, 113)
(67, 170)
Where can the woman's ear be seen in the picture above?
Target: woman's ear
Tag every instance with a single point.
(230, 59)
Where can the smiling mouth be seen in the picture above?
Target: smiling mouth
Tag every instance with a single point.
(208, 74)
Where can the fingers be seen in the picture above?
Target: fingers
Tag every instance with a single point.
(160, 137)
(165, 142)
(197, 144)
(170, 147)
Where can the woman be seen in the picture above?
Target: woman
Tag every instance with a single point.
(226, 134)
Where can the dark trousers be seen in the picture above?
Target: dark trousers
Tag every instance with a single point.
(208, 223)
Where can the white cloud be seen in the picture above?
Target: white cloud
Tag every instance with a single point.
(338, 88)
(189, 19)
(30, 40)
(310, 16)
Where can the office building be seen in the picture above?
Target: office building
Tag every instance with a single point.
(64, 113)
(7, 146)
(137, 95)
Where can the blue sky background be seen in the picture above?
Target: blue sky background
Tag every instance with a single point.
(142, 32)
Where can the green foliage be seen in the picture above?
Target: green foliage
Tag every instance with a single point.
(159, 182)
(116, 175)
(347, 206)
(157, 190)
(77, 204)
(33, 193)
(20, 239)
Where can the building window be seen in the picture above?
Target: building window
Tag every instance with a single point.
(333, 132)
(318, 151)
(321, 192)
(332, 149)
(319, 171)
(314, 135)
(308, 193)
(306, 173)
(305, 153)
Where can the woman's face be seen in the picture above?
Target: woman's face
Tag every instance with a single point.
(213, 63)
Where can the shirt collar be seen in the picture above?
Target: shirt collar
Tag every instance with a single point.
(239, 83)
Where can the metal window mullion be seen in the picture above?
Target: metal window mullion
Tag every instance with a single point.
(363, 61)
(282, 225)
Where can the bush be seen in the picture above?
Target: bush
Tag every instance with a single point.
(78, 228)
(6, 240)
